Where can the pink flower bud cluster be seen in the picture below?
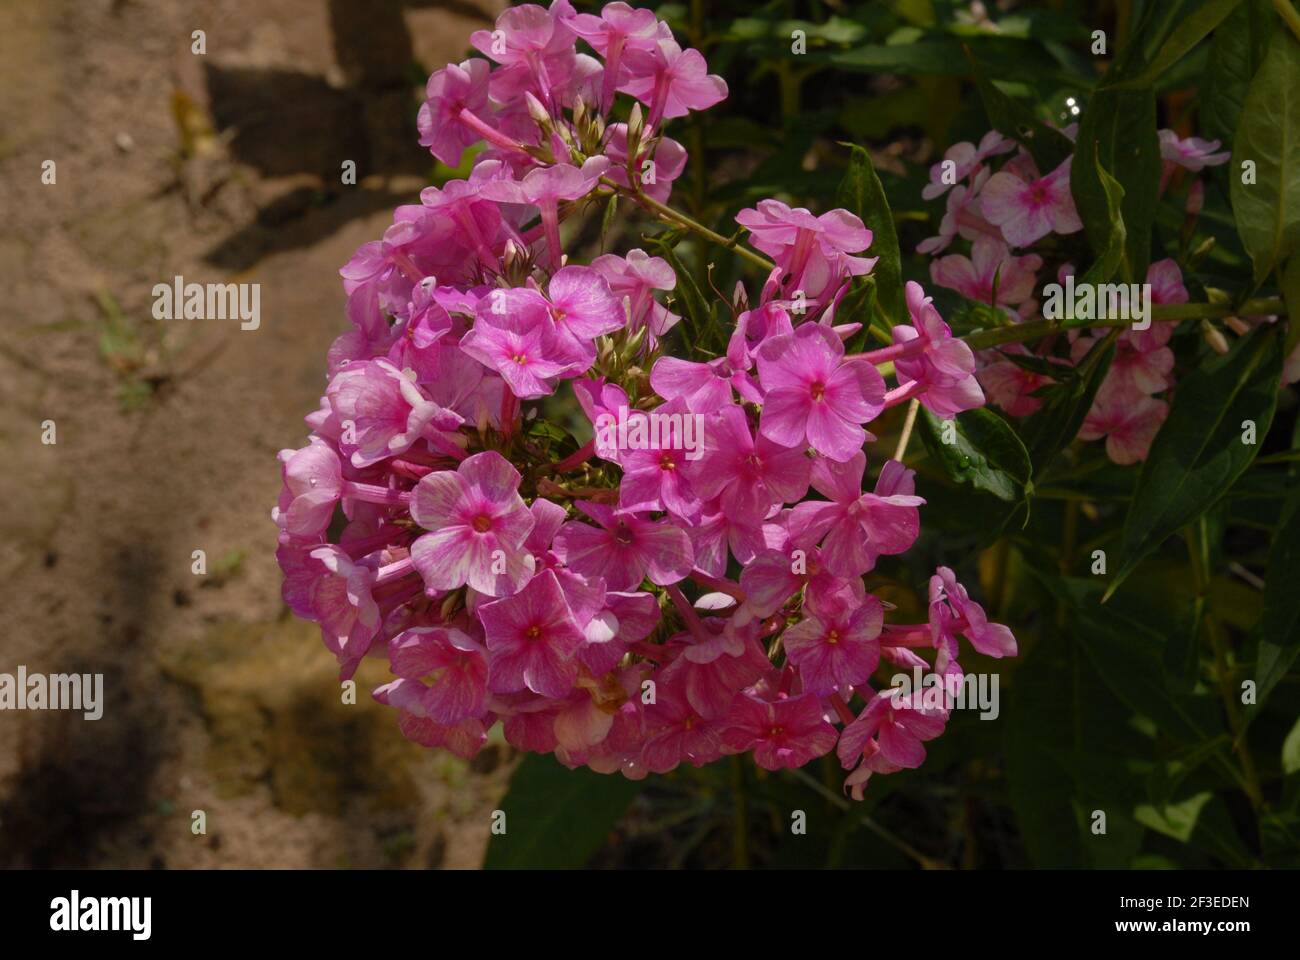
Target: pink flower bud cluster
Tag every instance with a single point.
(1005, 210)
(586, 595)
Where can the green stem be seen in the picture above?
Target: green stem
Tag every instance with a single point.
(667, 213)
(1287, 456)
(926, 863)
(1198, 549)
(906, 433)
(1034, 329)
(1289, 15)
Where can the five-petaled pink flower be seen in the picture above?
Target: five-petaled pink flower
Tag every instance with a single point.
(813, 396)
(888, 736)
(477, 525)
(514, 336)
(533, 638)
(458, 664)
(783, 734)
(853, 527)
(625, 548)
(671, 81)
(836, 645)
(990, 275)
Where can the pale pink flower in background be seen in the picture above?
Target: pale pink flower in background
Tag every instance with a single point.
(1143, 362)
(965, 158)
(1010, 386)
(1291, 367)
(990, 264)
(962, 217)
(1028, 210)
(1128, 422)
(1193, 153)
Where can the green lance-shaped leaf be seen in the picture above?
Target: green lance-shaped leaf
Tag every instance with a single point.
(1058, 420)
(1190, 31)
(1047, 145)
(1126, 644)
(1279, 624)
(556, 817)
(695, 308)
(1118, 128)
(1289, 281)
(1201, 450)
(1267, 208)
(1236, 51)
(1041, 772)
(1112, 254)
(862, 193)
(985, 452)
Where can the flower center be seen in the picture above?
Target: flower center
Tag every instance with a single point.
(520, 359)
(666, 462)
(833, 637)
(623, 535)
(818, 390)
(482, 523)
(775, 732)
(557, 314)
(533, 632)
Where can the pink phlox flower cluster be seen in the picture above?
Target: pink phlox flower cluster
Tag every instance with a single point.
(686, 585)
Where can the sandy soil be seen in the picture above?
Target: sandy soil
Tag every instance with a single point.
(217, 167)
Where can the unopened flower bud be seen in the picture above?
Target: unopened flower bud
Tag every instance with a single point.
(1237, 325)
(1214, 337)
(633, 345)
(635, 126)
(537, 111)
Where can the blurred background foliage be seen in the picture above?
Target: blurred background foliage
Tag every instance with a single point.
(1132, 708)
